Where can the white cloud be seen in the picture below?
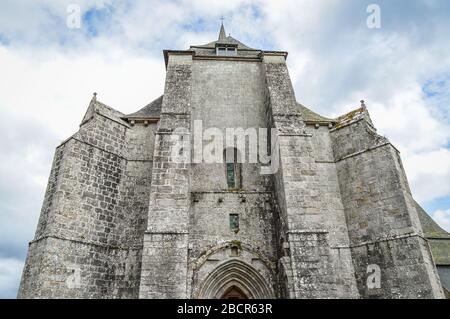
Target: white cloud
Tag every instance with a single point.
(55, 89)
(442, 217)
(10, 273)
(429, 173)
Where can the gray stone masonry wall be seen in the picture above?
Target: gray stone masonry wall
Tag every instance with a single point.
(308, 192)
(209, 230)
(382, 221)
(164, 261)
(229, 94)
(89, 239)
(32, 281)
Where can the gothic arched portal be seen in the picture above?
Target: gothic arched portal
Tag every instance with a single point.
(235, 279)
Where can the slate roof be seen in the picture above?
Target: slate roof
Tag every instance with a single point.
(310, 116)
(228, 40)
(430, 227)
(224, 39)
(151, 110)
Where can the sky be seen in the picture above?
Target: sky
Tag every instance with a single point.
(49, 69)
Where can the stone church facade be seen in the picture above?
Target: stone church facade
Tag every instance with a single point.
(122, 218)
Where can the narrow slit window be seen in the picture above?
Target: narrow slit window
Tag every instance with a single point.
(232, 168)
(234, 222)
(231, 180)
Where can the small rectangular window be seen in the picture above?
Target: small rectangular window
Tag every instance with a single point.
(231, 51)
(226, 51)
(234, 222)
(221, 51)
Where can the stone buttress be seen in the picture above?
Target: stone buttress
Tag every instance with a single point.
(88, 242)
(382, 219)
(164, 262)
(317, 260)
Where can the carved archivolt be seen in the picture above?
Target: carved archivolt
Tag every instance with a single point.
(235, 273)
(232, 265)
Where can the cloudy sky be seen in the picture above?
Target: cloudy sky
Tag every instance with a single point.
(48, 72)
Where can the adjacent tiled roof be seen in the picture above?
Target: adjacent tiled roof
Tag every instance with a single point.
(151, 110)
(430, 227)
(310, 116)
(438, 238)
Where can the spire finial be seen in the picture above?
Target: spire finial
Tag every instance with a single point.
(363, 103)
(222, 34)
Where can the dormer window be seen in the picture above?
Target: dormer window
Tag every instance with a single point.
(221, 51)
(226, 50)
(231, 51)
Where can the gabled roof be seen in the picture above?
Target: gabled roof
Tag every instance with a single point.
(354, 116)
(96, 106)
(151, 110)
(224, 39)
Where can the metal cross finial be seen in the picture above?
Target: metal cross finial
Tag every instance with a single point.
(222, 18)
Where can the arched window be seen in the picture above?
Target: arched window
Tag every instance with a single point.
(233, 168)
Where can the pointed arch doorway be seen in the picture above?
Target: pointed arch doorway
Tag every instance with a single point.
(235, 280)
